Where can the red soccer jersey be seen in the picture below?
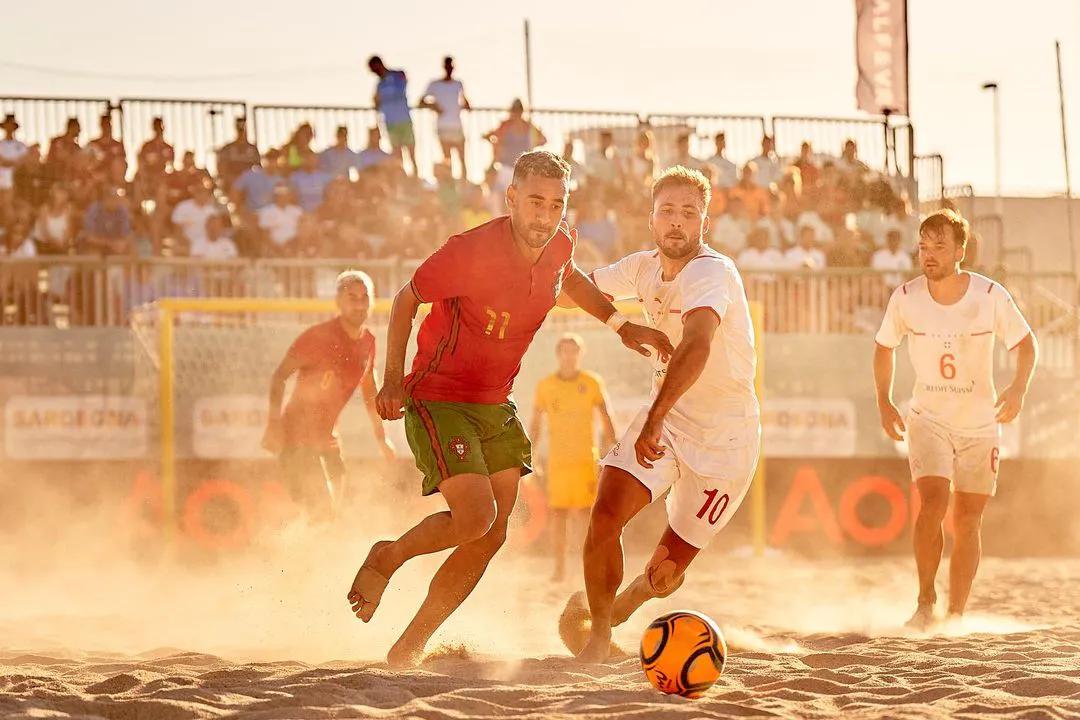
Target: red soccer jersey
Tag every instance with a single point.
(488, 301)
(331, 366)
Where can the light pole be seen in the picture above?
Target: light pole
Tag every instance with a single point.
(998, 204)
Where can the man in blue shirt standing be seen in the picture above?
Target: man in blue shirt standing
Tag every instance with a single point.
(338, 159)
(309, 183)
(393, 104)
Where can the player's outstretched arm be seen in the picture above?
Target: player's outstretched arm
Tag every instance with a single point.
(1011, 400)
(884, 369)
(369, 392)
(272, 436)
(390, 401)
(588, 297)
(687, 364)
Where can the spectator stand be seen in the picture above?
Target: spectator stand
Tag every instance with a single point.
(742, 133)
(874, 138)
(41, 119)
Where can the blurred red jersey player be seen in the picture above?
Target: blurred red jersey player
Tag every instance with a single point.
(330, 360)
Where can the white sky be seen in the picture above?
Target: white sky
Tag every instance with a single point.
(679, 56)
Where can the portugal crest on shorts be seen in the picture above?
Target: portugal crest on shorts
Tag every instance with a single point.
(459, 446)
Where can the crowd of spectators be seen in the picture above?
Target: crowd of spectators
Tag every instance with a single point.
(324, 198)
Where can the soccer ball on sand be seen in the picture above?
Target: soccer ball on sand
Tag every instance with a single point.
(683, 653)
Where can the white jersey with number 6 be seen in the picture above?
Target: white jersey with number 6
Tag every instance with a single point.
(952, 349)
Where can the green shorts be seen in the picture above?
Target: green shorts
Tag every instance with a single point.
(401, 134)
(455, 438)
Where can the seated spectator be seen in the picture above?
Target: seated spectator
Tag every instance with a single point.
(56, 227)
(893, 257)
(107, 227)
(62, 153)
(758, 256)
(598, 235)
(254, 189)
(475, 211)
(768, 165)
(309, 183)
(847, 251)
(779, 230)
(339, 159)
(237, 157)
(601, 169)
(190, 216)
(18, 241)
(105, 149)
(749, 191)
(514, 136)
(156, 154)
(805, 255)
(725, 173)
(337, 206)
(31, 182)
(730, 229)
(187, 176)
(373, 154)
(822, 232)
(279, 220)
(577, 170)
(639, 169)
(12, 154)
(217, 242)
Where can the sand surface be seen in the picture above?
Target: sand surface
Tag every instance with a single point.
(808, 640)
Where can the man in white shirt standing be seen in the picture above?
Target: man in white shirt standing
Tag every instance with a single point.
(725, 173)
(805, 255)
(446, 97)
(12, 152)
(769, 167)
(700, 434)
(892, 257)
(951, 318)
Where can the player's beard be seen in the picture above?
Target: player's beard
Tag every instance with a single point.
(678, 247)
(936, 272)
(537, 236)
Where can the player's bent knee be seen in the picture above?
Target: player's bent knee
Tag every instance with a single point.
(475, 524)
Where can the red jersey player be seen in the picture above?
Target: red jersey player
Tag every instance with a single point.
(491, 289)
(331, 359)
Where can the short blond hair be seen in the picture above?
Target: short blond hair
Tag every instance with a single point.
(937, 221)
(351, 276)
(572, 338)
(679, 175)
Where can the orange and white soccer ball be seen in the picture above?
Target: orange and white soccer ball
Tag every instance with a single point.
(683, 653)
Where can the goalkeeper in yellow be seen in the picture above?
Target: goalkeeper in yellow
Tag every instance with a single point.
(570, 399)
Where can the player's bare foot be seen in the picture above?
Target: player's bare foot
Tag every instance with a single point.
(406, 652)
(370, 583)
(923, 618)
(598, 648)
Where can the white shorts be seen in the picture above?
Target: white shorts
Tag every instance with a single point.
(969, 463)
(709, 482)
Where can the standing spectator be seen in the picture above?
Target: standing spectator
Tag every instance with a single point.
(779, 230)
(12, 153)
(156, 154)
(236, 157)
(280, 221)
(446, 97)
(217, 244)
(639, 169)
(809, 171)
(373, 154)
(339, 159)
(577, 170)
(848, 250)
(107, 228)
(31, 181)
(725, 172)
(309, 183)
(514, 136)
(298, 149)
(63, 151)
(684, 158)
(18, 241)
(730, 229)
(769, 167)
(188, 175)
(805, 255)
(754, 197)
(601, 169)
(105, 149)
(758, 256)
(254, 189)
(849, 163)
(56, 227)
(392, 102)
(190, 215)
(892, 257)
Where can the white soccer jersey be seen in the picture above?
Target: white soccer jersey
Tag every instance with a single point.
(725, 390)
(952, 349)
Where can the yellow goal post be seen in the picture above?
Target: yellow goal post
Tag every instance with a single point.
(164, 313)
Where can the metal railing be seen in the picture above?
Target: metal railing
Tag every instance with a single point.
(930, 178)
(875, 140)
(742, 135)
(43, 118)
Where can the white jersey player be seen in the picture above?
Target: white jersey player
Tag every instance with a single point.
(951, 319)
(700, 435)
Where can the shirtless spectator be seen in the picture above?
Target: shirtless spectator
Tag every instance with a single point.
(106, 149)
(156, 154)
(236, 157)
